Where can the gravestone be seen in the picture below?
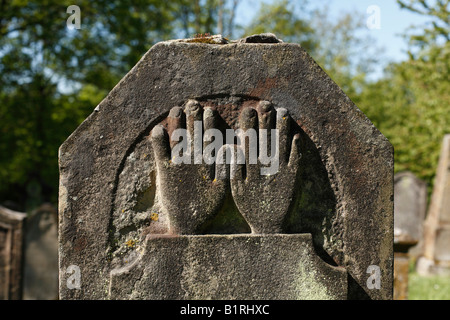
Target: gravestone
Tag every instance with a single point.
(410, 202)
(135, 223)
(410, 205)
(436, 250)
(41, 254)
(11, 239)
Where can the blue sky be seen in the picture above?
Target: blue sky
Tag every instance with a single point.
(393, 21)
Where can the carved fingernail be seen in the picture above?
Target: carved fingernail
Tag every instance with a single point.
(282, 114)
(265, 106)
(158, 131)
(248, 118)
(208, 113)
(175, 112)
(192, 106)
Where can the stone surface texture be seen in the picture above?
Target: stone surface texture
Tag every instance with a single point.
(11, 248)
(41, 254)
(115, 227)
(238, 267)
(410, 205)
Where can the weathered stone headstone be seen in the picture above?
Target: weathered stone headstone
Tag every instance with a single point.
(410, 203)
(41, 254)
(436, 249)
(11, 240)
(137, 224)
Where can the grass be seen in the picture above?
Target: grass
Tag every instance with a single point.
(428, 287)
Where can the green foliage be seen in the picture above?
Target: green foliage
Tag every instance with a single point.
(346, 51)
(51, 78)
(282, 18)
(410, 105)
(205, 16)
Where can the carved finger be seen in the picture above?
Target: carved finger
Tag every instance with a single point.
(266, 115)
(294, 158)
(222, 167)
(194, 126)
(230, 163)
(248, 119)
(237, 164)
(209, 123)
(248, 136)
(266, 120)
(283, 127)
(160, 143)
(175, 120)
(193, 111)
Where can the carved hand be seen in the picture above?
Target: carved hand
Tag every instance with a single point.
(264, 200)
(190, 192)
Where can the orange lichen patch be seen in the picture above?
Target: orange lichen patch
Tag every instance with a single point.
(130, 243)
(207, 38)
(202, 38)
(209, 41)
(202, 35)
(154, 216)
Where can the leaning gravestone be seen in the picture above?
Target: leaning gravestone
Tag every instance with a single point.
(136, 223)
(436, 251)
(41, 254)
(11, 239)
(410, 204)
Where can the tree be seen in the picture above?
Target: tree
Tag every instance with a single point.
(51, 78)
(206, 16)
(410, 105)
(283, 18)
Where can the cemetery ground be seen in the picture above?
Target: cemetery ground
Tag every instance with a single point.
(427, 287)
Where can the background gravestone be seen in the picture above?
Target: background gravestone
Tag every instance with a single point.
(114, 224)
(410, 203)
(41, 255)
(436, 251)
(11, 239)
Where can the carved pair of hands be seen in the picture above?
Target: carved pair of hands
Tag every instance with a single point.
(193, 193)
